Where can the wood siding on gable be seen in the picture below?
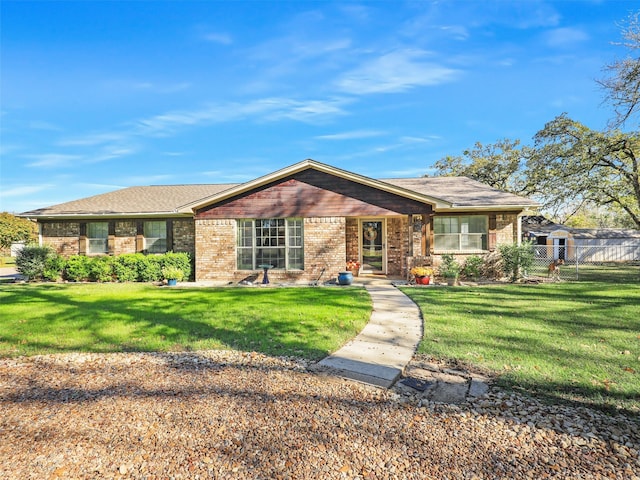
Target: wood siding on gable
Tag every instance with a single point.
(312, 194)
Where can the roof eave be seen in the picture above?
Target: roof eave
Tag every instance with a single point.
(103, 216)
(486, 208)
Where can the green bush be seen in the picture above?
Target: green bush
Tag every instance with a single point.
(32, 260)
(449, 268)
(150, 268)
(125, 267)
(77, 268)
(516, 259)
(53, 267)
(101, 269)
(181, 261)
(173, 273)
(472, 266)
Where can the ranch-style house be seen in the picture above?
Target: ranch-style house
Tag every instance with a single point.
(301, 219)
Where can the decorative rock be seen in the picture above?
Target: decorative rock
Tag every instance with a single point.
(477, 388)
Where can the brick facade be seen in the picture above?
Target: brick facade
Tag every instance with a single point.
(125, 237)
(328, 243)
(62, 236)
(184, 236)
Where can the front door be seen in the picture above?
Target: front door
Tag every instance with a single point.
(372, 246)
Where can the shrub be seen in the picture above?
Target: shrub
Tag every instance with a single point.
(517, 259)
(125, 267)
(53, 267)
(178, 260)
(173, 273)
(150, 268)
(77, 268)
(31, 261)
(449, 268)
(472, 266)
(101, 269)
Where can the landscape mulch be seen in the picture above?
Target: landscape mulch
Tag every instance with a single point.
(235, 415)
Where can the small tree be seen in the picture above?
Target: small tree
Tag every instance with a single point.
(516, 259)
(32, 261)
(14, 229)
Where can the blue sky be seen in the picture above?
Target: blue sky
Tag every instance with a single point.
(97, 96)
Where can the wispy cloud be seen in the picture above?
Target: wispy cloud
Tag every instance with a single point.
(217, 37)
(565, 37)
(92, 139)
(395, 72)
(23, 190)
(266, 109)
(355, 134)
(41, 125)
(52, 160)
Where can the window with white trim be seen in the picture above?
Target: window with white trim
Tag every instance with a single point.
(155, 237)
(273, 241)
(97, 235)
(461, 233)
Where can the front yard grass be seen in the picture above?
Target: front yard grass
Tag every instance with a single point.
(52, 318)
(572, 341)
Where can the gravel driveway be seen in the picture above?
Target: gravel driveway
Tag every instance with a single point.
(238, 415)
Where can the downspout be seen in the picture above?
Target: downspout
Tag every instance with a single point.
(519, 228)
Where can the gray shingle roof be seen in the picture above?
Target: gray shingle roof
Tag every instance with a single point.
(460, 192)
(156, 199)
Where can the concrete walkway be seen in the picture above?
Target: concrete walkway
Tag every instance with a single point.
(387, 343)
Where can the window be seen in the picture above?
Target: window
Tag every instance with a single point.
(274, 241)
(155, 237)
(467, 233)
(97, 234)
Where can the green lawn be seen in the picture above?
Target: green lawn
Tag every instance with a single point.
(574, 341)
(305, 322)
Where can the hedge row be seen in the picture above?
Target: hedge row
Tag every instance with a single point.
(43, 263)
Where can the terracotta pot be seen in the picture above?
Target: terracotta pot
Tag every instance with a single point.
(423, 280)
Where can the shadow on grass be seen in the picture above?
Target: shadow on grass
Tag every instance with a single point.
(574, 343)
(302, 322)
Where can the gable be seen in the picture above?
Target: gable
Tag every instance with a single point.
(312, 193)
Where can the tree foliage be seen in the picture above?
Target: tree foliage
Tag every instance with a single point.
(498, 165)
(622, 83)
(570, 167)
(573, 162)
(14, 229)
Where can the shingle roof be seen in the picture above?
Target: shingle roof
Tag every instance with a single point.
(461, 191)
(156, 199)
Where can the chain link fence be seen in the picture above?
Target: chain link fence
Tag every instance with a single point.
(613, 263)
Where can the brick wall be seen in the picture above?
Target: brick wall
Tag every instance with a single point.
(352, 231)
(325, 246)
(184, 236)
(125, 238)
(397, 245)
(63, 236)
(506, 228)
(215, 251)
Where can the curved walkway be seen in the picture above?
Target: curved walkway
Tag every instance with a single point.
(387, 343)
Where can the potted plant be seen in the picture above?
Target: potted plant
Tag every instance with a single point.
(353, 267)
(422, 275)
(172, 274)
(450, 269)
